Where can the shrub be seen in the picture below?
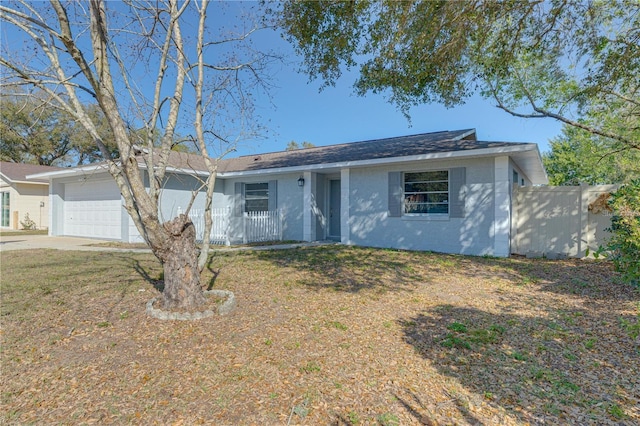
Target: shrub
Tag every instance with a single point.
(27, 223)
(624, 244)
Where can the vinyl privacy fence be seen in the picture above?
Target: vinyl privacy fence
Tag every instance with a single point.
(560, 220)
(249, 228)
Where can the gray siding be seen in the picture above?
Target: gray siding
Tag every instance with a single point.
(371, 225)
(176, 194)
(289, 199)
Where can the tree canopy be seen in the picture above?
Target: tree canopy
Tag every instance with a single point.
(578, 157)
(293, 145)
(32, 130)
(566, 60)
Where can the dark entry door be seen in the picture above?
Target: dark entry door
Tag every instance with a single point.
(334, 209)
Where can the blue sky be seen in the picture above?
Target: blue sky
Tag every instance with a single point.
(300, 112)
(336, 115)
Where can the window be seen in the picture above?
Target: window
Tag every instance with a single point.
(5, 209)
(426, 192)
(440, 194)
(256, 196)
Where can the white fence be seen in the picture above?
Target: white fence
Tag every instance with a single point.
(248, 228)
(560, 219)
(262, 226)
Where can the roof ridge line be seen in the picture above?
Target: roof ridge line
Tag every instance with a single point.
(466, 132)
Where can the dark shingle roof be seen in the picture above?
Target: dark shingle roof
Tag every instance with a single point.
(402, 146)
(18, 172)
(387, 148)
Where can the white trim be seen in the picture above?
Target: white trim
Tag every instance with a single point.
(525, 148)
(435, 217)
(104, 167)
(68, 172)
(502, 208)
(310, 210)
(28, 182)
(190, 172)
(345, 206)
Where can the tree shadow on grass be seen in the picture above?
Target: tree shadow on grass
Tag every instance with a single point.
(594, 280)
(354, 269)
(414, 405)
(349, 269)
(563, 366)
(214, 273)
(145, 273)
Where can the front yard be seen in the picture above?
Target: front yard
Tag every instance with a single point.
(326, 335)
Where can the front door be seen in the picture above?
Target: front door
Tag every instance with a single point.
(334, 209)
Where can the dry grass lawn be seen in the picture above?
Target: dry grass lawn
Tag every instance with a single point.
(329, 335)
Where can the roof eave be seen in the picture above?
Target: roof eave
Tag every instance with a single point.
(27, 182)
(103, 167)
(535, 170)
(67, 172)
(483, 152)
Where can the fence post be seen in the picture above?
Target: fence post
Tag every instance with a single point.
(227, 231)
(245, 216)
(514, 220)
(583, 206)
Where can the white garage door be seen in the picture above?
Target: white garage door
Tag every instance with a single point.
(93, 209)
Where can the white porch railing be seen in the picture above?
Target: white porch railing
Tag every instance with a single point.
(248, 228)
(220, 225)
(262, 226)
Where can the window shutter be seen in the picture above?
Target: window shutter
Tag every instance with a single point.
(238, 205)
(457, 191)
(273, 195)
(395, 194)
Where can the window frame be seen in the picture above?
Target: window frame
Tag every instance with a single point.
(5, 213)
(262, 199)
(426, 193)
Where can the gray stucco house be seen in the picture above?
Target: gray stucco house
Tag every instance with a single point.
(443, 191)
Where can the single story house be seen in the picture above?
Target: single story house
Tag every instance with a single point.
(443, 191)
(24, 202)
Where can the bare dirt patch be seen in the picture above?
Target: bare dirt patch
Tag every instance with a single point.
(324, 335)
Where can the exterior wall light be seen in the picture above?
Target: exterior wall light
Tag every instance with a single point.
(301, 181)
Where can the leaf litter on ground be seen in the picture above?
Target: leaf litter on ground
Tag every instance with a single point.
(323, 335)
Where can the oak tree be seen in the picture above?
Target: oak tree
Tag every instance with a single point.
(561, 59)
(33, 130)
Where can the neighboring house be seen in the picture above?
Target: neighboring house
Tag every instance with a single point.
(21, 197)
(442, 191)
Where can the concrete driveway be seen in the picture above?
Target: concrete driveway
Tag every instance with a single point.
(26, 242)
